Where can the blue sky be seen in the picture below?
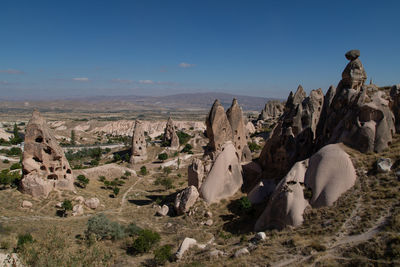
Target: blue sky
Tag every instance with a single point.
(260, 48)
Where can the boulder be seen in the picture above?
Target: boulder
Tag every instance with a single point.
(209, 222)
(185, 245)
(92, 203)
(352, 54)
(225, 177)
(186, 199)
(354, 75)
(162, 211)
(241, 252)
(260, 236)
(139, 144)
(44, 165)
(383, 165)
(26, 204)
(196, 173)
(77, 210)
(80, 199)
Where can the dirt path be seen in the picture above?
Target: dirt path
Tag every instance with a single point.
(123, 200)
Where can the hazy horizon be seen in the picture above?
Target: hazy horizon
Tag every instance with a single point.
(53, 50)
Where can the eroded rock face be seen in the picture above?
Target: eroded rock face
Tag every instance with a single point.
(225, 176)
(287, 203)
(139, 144)
(186, 199)
(395, 104)
(196, 173)
(328, 174)
(170, 135)
(273, 109)
(354, 75)
(218, 128)
(44, 165)
(239, 133)
(293, 137)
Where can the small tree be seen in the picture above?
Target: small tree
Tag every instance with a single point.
(144, 242)
(73, 138)
(82, 180)
(163, 156)
(163, 254)
(143, 170)
(65, 207)
(116, 191)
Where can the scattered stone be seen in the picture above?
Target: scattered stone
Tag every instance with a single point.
(241, 252)
(168, 225)
(185, 245)
(215, 253)
(26, 204)
(92, 203)
(44, 165)
(208, 214)
(80, 199)
(384, 165)
(162, 211)
(59, 205)
(209, 222)
(10, 260)
(77, 210)
(186, 199)
(139, 144)
(260, 236)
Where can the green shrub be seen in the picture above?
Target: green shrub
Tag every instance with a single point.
(14, 151)
(103, 228)
(94, 162)
(187, 149)
(6, 161)
(144, 242)
(163, 254)
(16, 166)
(164, 181)
(127, 173)
(24, 239)
(116, 191)
(163, 156)
(143, 170)
(244, 204)
(253, 146)
(102, 178)
(82, 180)
(8, 178)
(133, 230)
(67, 205)
(183, 137)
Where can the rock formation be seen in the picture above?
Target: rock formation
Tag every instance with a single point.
(395, 104)
(196, 173)
(185, 199)
(354, 75)
(225, 177)
(170, 137)
(273, 109)
(44, 165)
(328, 174)
(239, 132)
(139, 145)
(293, 136)
(218, 128)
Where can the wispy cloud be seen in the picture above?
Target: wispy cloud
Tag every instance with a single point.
(146, 82)
(81, 79)
(186, 65)
(3, 82)
(12, 71)
(122, 81)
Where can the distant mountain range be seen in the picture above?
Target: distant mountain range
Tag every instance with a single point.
(190, 101)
